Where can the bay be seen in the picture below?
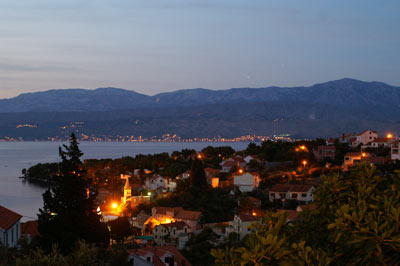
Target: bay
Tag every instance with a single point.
(26, 198)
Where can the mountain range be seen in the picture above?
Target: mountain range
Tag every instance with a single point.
(324, 109)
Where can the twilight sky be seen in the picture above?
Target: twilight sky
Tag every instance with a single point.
(153, 46)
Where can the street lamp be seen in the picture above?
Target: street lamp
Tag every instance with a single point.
(304, 163)
(114, 205)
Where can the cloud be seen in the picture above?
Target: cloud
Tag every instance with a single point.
(35, 68)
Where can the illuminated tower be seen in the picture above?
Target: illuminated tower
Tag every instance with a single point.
(127, 189)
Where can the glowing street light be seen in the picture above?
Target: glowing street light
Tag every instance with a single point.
(114, 205)
(304, 163)
(389, 136)
(363, 154)
(149, 193)
(240, 171)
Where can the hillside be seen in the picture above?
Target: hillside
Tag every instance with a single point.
(325, 109)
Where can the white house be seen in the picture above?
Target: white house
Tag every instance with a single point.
(394, 150)
(170, 185)
(352, 157)
(247, 181)
(302, 193)
(382, 142)
(155, 182)
(177, 214)
(366, 137)
(227, 165)
(241, 224)
(172, 233)
(249, 158)
(10, 227)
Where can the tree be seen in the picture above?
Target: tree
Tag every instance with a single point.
(69, 212)
(197, 175)
(356, 222)
(120, 229)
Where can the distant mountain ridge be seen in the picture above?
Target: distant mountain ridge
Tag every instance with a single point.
(321, 110)
(344, 92)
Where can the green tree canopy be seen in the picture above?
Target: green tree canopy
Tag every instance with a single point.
(69, 212)
(356, 222)
(197, 175)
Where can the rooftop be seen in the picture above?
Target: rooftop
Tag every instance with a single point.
(8, 218)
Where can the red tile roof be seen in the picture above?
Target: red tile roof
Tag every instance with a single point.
(326, 148)
(311, 207)
(353, 154)
(248, 218)
(30, 228)
(281, 188)
(179, 213)
(239, 159)
(365, 131)
(375, 160)
(291, 188)
(160, 251)
(188, 215)
(291, 214)
(8, 218)
(177, 225)
(381, 140)
(301, 188)
(229, 163)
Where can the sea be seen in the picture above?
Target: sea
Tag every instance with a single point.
(25, 197)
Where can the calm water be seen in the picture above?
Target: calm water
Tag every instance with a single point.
(25, 198)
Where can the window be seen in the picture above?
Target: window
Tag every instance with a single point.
(12, 235)
(294, 196)
(304, 195)
(273, 195)
(148, 259)
(283, 195)
(185, 230)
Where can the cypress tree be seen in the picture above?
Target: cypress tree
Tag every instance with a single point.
(198, 177)
(69, 211)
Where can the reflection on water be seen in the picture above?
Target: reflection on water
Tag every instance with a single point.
(26, 197)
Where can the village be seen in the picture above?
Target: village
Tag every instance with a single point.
(160, 217)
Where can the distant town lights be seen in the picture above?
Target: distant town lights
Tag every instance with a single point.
(389, 136)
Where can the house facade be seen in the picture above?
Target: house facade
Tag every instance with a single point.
(351, 158)
(382, 142)
(165, 215)
(240, 225)
(366, 137)
(173, 233)
(10, 227)
(247, 181)
(325, 152)
(155, 182)
(394, 150)
(301, 193)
